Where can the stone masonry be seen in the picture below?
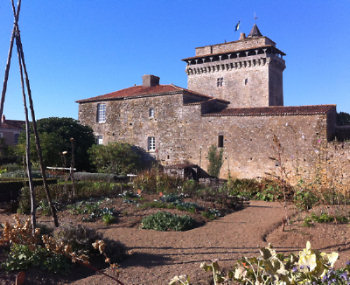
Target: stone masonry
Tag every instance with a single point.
(243, 114)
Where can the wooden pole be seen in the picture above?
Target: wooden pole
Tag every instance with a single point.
(8, 64)
(28, 161)
(36, 135)
(72, 166)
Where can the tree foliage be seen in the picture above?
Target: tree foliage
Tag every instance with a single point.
(343, 119)
(55, 134)
(118, 158)
(215, 161)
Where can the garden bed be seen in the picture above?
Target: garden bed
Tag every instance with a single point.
(155, 257)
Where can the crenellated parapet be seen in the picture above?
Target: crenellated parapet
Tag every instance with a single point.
(202, 65)
(247, 72)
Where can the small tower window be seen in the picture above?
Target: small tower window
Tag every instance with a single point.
(221, 141)
(101, 113)
(151, 113)
(219, 82)
(151, 144)
(246, 81)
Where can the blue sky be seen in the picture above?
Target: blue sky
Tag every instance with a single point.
(77, 49)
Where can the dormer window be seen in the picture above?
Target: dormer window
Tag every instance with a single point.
(151, 113)
(101, 113)
(219, 82)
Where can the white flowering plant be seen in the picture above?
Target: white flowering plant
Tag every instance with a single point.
(308, 267)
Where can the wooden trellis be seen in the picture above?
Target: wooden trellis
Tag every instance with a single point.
(26, 91)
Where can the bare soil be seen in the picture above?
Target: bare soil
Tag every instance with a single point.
(155, 257)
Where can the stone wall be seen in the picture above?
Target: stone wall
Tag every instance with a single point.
(184, 133)
(253, 81)
(234, 46)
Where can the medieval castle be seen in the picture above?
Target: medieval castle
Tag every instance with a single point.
(234, 100)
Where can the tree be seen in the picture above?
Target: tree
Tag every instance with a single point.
(343, 119)
(118, 158)
(215, 161)
(55, 134)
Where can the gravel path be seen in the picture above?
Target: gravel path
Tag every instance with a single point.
(156, 257)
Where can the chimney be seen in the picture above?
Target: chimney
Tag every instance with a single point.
(149, 80)
(242, 36)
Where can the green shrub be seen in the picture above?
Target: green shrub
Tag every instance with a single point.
(119, 158)
(325, 218)
(211, 214)
(108, 219)
(304, 200)
(269, 194)
(190, 186)
(215, 160)
(91, 210)
(157, 204)
(21, 257)
(163, 221)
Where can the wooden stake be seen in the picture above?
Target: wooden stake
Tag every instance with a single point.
(8, 64)
(28, 161)
(31, 106)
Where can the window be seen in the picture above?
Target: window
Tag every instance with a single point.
(151, 113)
(219, 82)
(246, 81)
(99, 139)
(101, 113)
(221, 141)
(16, 138)
(151, 144)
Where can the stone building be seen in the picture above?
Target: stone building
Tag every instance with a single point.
(10, 130)
(234, 100)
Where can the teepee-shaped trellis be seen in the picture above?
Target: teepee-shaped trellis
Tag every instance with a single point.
(26, 91)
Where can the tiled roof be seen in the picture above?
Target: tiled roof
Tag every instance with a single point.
(274, 111)
(141, 91)
(12, 124)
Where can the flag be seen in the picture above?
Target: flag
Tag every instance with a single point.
(237, 26)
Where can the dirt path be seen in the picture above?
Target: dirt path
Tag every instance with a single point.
(156, 257)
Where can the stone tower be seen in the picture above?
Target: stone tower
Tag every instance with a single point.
(247, 72)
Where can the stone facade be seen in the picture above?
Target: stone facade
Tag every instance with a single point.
(176, 125)
(10, 130)
(247, 72)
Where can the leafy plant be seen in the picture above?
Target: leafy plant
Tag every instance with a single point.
(108, 219)
(44, 207)
(211, 214)
(215, 160)
(308, 267)
(305, 200)
(163, 221)
(21, 257)
(269, 194)
(119, 158)
(325, 218)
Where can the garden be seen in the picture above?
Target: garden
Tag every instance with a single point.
(153, 228)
